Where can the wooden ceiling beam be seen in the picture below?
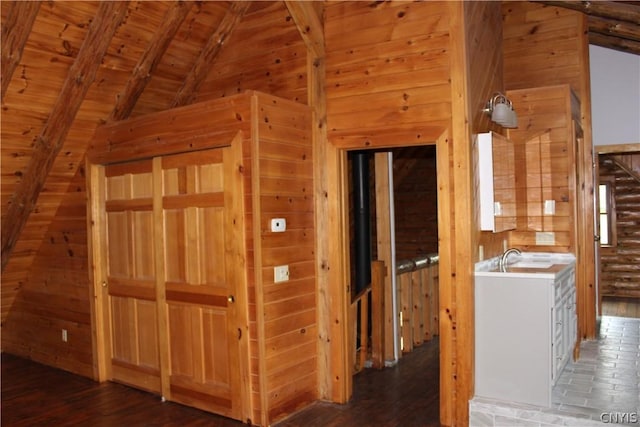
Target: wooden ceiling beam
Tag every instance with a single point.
(15, 33)
(210, 52)
(53, 134)
(309, 25)
(620, 11)
(616, 43)
(611, 27)
(149, 60)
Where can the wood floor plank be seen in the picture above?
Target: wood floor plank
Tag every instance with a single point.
(36, 395)
(621, 307)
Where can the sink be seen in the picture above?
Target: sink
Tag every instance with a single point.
(527, 265)
(530, 264)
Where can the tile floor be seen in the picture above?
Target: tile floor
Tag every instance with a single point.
(602, 387)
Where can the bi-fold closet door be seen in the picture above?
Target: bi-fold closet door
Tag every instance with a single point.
(170, 276)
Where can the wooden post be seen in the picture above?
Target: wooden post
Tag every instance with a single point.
(378, 273)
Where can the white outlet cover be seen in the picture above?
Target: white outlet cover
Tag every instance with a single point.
(280, 273)
(278, 225)
(549, 207)
(545, 238)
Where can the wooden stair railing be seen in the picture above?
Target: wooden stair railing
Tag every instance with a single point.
(370, 297)
(418, 311)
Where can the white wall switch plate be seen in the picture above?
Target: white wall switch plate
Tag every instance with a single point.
(278, 225)
(280, 273)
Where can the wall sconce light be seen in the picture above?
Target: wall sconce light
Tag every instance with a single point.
(500, 109)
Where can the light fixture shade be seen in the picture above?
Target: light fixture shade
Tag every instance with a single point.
(501, 111)
(501, 114)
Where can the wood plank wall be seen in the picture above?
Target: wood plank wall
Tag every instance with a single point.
(546, 46)
(282, 175)
(55, 295)
(25, 107)
(388, 84)
(619, 265)
(265, 53)
(545, 168)
(485, 60)
(416, 201)
(387, 73)
(51, 48)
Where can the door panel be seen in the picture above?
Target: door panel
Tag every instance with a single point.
(131, 298)
(197, 292)
(175, 267)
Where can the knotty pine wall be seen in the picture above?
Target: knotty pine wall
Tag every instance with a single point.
(547, 46)
(59, 29)
(545, 157)
(286, 317)
(390, 68)
(55, 294)
(416, 201)
(48, 270)
(619, 268)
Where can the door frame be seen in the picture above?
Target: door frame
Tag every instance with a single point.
(336, 316)
(597, 151)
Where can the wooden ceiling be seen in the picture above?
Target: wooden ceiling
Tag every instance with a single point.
(612, 24)
(67, 67)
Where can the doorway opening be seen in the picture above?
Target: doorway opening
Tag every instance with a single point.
(617, 206)
(393, 219)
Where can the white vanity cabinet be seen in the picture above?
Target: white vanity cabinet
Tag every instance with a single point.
(565, 320)
(525, 331)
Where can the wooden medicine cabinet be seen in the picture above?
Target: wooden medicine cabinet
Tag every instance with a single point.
(497, 182)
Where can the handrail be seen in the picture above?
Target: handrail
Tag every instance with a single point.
(417, 263)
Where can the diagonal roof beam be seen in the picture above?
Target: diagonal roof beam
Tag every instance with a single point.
(309, 25)
(150, 59)
(51, 139)
(210, 52)
(15, 32)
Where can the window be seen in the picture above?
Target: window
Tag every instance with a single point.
(607, 213)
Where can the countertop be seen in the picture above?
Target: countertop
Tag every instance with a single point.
(549, 265)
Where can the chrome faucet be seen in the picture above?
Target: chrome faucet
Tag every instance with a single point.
(504, 258)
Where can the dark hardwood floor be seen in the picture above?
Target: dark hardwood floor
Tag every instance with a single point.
(37, 395)
(405, 395)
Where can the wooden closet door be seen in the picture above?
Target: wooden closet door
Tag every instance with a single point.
(201, 216)
(132, 345)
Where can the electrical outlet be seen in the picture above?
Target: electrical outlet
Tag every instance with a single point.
(65, 337)
(549, 207)
(547, 238)
(281, 273)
